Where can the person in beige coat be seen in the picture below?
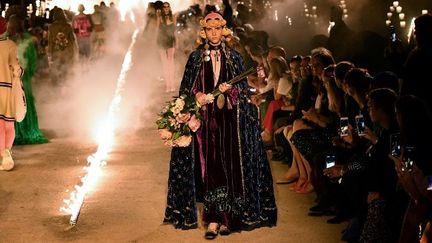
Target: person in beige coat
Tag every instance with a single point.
(9, 69)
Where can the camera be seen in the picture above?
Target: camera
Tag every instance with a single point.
(395, 147)
(344, 126)
(330, 161)
(408, 160)
(360, 125)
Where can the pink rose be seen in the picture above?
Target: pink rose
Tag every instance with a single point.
(183, 141)
(183, 118)
(169, 143)
(194, 123)
(165, 134)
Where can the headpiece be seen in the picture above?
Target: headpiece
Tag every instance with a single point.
(213, 20)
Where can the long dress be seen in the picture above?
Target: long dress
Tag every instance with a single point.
(27, 131)
(225, 167)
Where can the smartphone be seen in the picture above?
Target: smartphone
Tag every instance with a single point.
(429, 181)
(330, 161)
(395, 147)
(360, 125)
(408, 160)
(344, 126)
(393, 36)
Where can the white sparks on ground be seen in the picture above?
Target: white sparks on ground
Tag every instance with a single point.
(97, 161)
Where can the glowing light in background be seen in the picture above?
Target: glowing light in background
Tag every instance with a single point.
(97, 161)
(411, 30)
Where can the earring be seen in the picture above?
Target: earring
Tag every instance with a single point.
(206, 51)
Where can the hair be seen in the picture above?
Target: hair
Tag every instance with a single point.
(336, 12)
(386, 79)
(342, 69)
(296, 58)
(256, 50)
(414, 118)
(58, 15)
(423, 30)
(334, 93)
(15, 28)
(81, 8)
(209, 8)
(323, 55)
(278, 67)
(384, 99)
(278, 50)
(170, 14)
(359, 80)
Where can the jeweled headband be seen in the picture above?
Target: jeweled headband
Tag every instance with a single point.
(212, 20)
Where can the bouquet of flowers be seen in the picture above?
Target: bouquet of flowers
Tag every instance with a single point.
(178, 120)
(181, 117)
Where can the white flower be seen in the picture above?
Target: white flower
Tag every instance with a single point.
(176, 110)
(180, 103)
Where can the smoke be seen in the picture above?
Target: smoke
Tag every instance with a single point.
(79, 105)
(296, 38)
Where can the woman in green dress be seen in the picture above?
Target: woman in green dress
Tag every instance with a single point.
(27, 131)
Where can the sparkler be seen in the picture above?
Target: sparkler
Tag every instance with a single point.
(97, 161)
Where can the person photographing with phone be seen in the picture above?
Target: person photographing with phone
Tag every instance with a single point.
(380, 179)
(414, 166)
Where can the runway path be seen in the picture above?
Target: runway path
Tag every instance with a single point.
(128, 203)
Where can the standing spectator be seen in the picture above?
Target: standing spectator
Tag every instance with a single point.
(228, 14)
(9, 67)
(82, 27)
(340, 34)
(61, 46)
(166, 40)
(417, 80)
(98, 21)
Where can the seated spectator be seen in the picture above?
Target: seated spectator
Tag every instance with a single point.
(415, 121)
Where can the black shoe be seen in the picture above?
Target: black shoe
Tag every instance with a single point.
(223, 230)
(319, 208)
(337, 220)
(321, 213)
(210, 234)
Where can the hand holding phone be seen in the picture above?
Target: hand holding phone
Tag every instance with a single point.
(395, 147)
(330, 161)
(360, 124)
(344, 126)
(408, 159)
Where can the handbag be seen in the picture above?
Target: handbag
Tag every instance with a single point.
(18, 97)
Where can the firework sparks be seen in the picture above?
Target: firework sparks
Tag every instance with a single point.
(96, 161)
